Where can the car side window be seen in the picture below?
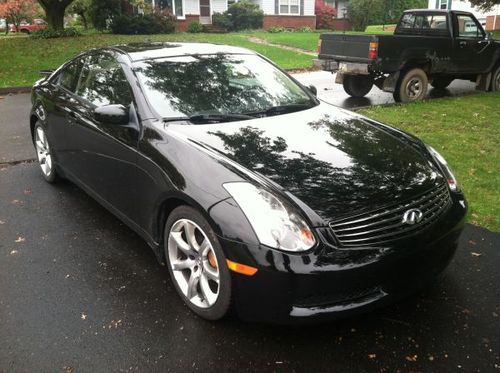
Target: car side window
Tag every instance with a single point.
(103, 82)
(467, 27)
(68, 76)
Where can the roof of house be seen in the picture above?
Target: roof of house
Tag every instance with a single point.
(152, 50)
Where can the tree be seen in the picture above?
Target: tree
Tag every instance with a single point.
(14, 11)
(54, 12)
(82, 9)
(485, 5)
(102, 11)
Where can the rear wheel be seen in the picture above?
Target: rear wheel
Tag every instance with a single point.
(495, 79)
(197, 264)
(357, 85)
(44, 154)
(441, 83)
(412, 86)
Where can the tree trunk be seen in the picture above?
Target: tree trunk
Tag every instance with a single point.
(55, 16)
(84, 19)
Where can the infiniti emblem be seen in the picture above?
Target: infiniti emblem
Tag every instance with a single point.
(412, 216)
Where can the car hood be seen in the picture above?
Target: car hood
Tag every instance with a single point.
(336, 162)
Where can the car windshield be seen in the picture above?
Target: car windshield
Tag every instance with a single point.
(226, 85)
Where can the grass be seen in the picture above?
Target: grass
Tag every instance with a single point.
(496, 34)
(465, 130)
(24, 57)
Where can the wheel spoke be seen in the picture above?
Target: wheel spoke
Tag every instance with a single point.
(192, 284)
(211, 272)
(190, 230)
(41, 136)
(206, 292)
(48, 162)
(183, 264)
(181, 244)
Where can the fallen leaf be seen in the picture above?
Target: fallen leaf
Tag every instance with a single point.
(2, 222)
(475, 254)
(84, 316)
(68, 370)
(372, 356)
(411, 358)
(14, 252)
(20, 239)
(473, 243)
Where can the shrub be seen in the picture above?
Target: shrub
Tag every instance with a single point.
(242, 15)
(222, 21)
(52, 34)
(276, 30)
(325, 15)
(304, 29)
(156, 23)
(195, 27)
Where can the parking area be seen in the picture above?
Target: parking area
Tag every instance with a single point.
(79, 291)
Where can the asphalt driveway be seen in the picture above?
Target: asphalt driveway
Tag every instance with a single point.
(79, 292)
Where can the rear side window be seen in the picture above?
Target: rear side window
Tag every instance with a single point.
(103, 82)
(68, 76)
(423, 24)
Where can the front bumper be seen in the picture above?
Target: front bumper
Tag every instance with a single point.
(329, 283)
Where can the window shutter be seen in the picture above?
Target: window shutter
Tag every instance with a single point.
(301, 7)
(437, 4)
(276, 7)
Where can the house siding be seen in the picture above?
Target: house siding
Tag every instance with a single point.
(192, 7)
(218, 6)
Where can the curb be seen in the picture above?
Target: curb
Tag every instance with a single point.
(14, 90)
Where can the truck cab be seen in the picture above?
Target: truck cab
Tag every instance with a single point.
(428, 47)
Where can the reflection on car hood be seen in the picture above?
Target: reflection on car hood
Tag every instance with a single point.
(334, 161)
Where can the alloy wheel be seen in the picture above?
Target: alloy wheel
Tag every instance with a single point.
(414, 88)
(43, 151)
(194, 263)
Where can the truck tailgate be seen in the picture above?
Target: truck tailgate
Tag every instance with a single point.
(349, 47)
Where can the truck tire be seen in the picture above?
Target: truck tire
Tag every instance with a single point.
(357, 85)
(495, 79)
(441, 83)
(412, 86)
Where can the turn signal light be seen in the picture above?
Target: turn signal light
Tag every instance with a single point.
(241, 268)
(373, 50)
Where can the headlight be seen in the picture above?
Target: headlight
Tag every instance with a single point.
(450, 177)
(275, 223)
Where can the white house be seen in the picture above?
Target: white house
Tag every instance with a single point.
(284, 13)
(490, 20)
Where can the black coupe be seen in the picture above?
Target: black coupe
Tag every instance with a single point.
(260, 197)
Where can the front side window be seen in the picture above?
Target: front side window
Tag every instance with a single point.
(289, 7)
(467, 27)
(102, 82)
(216, 84)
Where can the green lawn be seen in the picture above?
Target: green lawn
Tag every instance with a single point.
(466, 131)
(496, 34)
(23, 57)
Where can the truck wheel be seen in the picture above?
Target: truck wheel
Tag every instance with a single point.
(357, 85)
(412, 86)
(441, 83)
(495, 80)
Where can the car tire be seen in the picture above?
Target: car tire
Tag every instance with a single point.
(44, 154)
(198, 263)
(495, 79)
(357, 85)
(412, 86)
(441, 83)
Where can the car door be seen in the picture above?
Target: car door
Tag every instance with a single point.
(58, 102)
(473, 52)
(102, 156)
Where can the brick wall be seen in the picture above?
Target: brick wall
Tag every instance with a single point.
(341, 24)
(289, 21)
(182, 24)
(490, 21)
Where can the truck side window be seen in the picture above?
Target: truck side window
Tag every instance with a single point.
(467, 27)
(408, 21)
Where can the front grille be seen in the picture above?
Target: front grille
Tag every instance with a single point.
(385, 225)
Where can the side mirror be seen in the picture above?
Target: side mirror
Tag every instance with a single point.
(115, 114)
(313, 90)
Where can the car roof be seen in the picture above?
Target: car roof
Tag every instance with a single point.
(443, 11)
(153, 50)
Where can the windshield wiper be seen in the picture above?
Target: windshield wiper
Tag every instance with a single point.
(210, 118)
(282, 109)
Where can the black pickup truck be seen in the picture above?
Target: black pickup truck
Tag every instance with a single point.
(428, 47)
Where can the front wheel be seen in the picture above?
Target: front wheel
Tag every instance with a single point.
(412, 86)
(44, 154)
(197, 264)
(357, 85)
(495, 80)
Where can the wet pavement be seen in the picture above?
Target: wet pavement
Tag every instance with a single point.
(80, 292)
(334, 93)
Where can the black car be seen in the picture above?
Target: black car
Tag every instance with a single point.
(258, 196)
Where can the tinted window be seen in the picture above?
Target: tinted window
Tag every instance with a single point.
(102, 82)
(68, 76)
(428, 24)
(467, 27)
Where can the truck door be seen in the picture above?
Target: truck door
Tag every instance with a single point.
(472, 51)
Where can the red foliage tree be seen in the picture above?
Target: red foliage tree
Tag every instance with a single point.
(15, 11)
(325, 15)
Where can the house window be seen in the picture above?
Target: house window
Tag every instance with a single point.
(443, 4)
(289, 6)
(174, 6)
